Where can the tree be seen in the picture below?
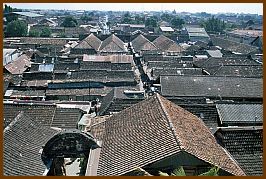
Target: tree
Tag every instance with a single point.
(8, 9)
(85, 18)
(139, 19)
(151, 22)
(70, 21)
(34, 33)
(16, 28)
(177, 22)
(46, 32)
(127, 18)
(166, 17)
(179, 172)
(214, 25)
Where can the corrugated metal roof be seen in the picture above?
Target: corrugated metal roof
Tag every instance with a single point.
(240, 113)
(167, 29)
(215, 53)
(28, 14)
(46, 67)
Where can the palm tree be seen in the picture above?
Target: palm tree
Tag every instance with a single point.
(181, 172)
(178, 172)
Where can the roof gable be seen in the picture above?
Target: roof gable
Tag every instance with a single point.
(195, 138)
(90, 42)
(166, 44)
(111, 44)
(138, 136)
(142, 43)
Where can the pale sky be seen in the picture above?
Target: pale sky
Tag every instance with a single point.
(253, 8)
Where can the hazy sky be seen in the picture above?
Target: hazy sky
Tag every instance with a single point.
(254, 8)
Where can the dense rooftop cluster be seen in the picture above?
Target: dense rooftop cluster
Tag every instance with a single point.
(110, 95)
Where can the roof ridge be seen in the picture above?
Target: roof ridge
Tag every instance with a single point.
(14, 121)
(115, 37)
(170, 123)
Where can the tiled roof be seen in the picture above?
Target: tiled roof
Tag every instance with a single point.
(28, 93)
(19, 65)
(90, 42)
(109, 58)
(41, 113)
(35, 83)
(240, 114)
(211, 86)
(66, 118)
(141, 43)
(246, 146)
(23, 139)
(137, 137)
(206, 112)
(66, 66)
(175, 71)
(100, 75)
(112, 44)
(105, 65)
(44, 41)
(168, 64)
(240, 70)
(213, 62)
(116, 100)
(233, 46)
(28, 14)
(165, 44)
(157, 57)
(215, 53)
(79, 92)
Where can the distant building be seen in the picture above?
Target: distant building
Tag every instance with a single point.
(29, 17)
(166, 29)
(196, 34)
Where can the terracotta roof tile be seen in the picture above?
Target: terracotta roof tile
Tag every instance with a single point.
(112, 44)
(167, 45)
(138, 136)
(141, 43)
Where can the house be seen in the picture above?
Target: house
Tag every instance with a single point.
(47, 114)
(64, 93)
(112, 45)
(29, 17)
(89, 45)
(240, 70)
(19, 65)
(159, 141)
(29, 94)
(24, 138)
(212, 65)
(109, 58)
(120, 98)
(245, 144)
(196, 34)
(168, 30)
(141, 45)
(155, 73)
(240, 114)
(244, 36)
(214, 53)
(47, 22)
(233, 46)
(214, 87)
(128, 28)
(9, 55)
(167, 45)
